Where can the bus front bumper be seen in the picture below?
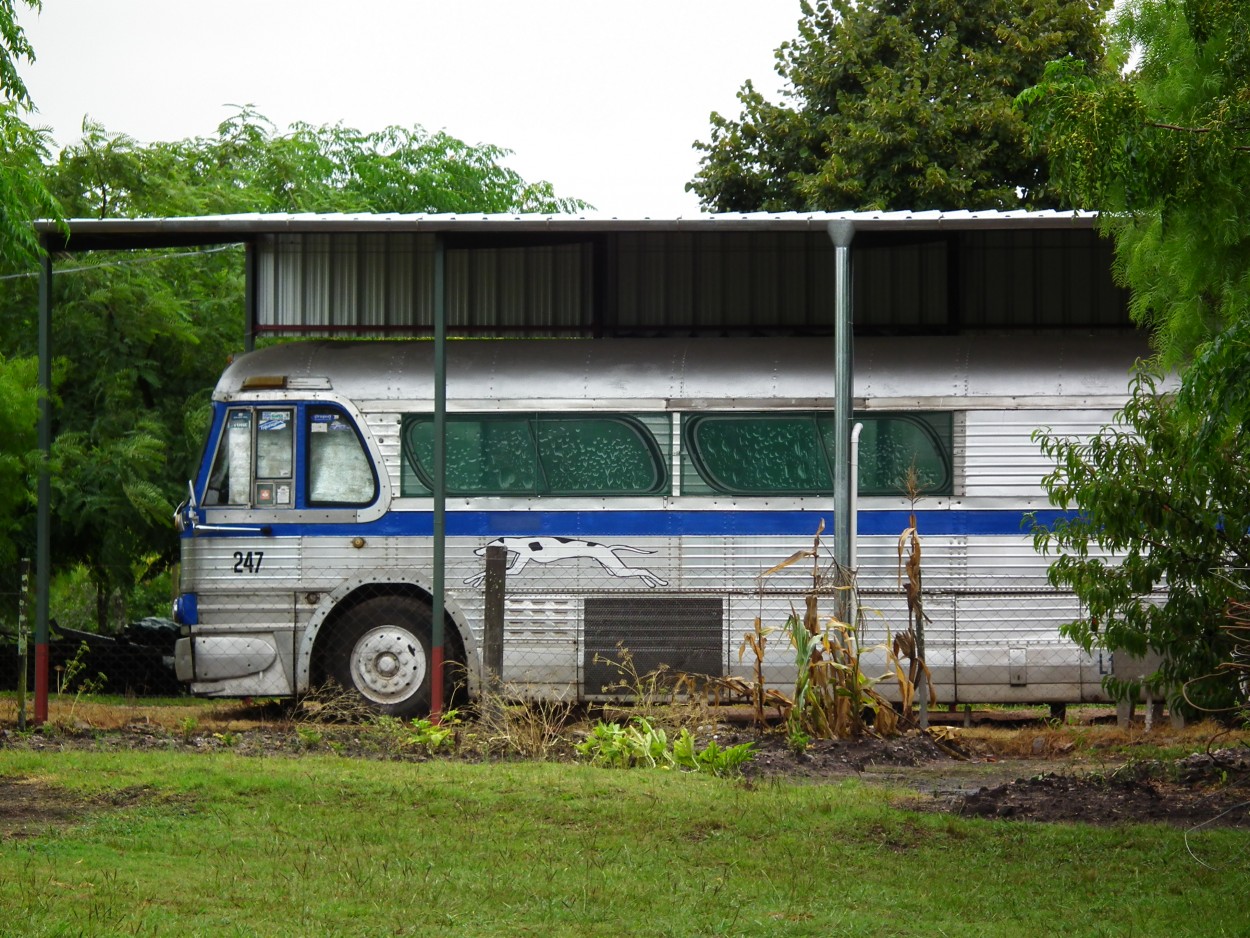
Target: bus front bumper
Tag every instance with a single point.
(223, 657)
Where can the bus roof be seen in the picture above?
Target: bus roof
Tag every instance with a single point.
(1073, 369)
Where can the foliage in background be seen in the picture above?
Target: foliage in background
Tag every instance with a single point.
(1163, 149)
(23, 148)
(249, 166)
(891, 105)
(19, 412)
(24, 194)
(1158, 502)
(137, 338)
(142, 336)
(14, 46)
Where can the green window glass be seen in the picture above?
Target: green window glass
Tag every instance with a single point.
(597, 455)
(532, 455)
(759, 453)
(485, 455)
(792, 454)
(889, 445)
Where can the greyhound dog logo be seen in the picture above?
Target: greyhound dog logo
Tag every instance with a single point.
(526, 550)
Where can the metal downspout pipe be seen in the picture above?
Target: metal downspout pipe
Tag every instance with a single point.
(854, 550)
(842, 233)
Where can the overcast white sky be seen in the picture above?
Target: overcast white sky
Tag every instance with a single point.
(601, 99)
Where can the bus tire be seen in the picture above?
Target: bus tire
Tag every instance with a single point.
(382, 652)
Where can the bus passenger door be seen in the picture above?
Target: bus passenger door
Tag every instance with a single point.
(253, 471)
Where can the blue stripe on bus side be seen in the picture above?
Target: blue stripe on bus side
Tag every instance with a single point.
(584, 524)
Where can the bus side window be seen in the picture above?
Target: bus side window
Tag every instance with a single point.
(230, 481)
(532, 454)
(759, 454)
(790, 453)
(339, 472)
(893, 443)
(598, 455)
(486, 455)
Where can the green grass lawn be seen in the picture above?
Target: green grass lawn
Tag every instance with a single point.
(221, 845)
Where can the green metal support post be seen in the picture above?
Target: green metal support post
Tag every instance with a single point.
(43, 511)
(437, 637)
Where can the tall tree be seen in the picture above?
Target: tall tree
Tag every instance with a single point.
(248, 166)
(145, 335)
(1159, 541)
(23, 196)
(23, 148)
(898, 104)
(14, 46)
(1163, 151)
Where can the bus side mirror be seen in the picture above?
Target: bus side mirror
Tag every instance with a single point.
(185, 514)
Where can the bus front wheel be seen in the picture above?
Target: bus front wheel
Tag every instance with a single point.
(382, 652)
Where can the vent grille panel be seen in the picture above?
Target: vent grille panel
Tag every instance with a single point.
(686, 634)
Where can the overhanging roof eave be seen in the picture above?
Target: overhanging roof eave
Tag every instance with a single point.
(122, 233)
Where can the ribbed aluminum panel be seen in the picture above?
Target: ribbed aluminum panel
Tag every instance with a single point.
(943, 562)
(385, 429)
(280, 567)
(382, 284)
(540, 644)
(1001, 457)
(1005, 563)
(243, 610)
(1025, 618)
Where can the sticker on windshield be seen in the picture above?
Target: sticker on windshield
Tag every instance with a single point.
(273, 419)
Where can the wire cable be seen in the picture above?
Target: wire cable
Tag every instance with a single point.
(125, 263)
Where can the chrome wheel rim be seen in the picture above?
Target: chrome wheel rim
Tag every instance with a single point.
(388, 664)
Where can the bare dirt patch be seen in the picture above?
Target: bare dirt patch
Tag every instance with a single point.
(1204, 789)
(30, 807)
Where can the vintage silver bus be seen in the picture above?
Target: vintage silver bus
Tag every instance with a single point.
(640, 487)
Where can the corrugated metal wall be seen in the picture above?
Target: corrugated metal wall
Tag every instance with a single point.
(685, 283)
(382, 284)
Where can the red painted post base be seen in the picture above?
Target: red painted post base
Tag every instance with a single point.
(41, 683)
(436, 684)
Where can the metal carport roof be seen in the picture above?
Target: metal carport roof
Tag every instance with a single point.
(788, 263)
